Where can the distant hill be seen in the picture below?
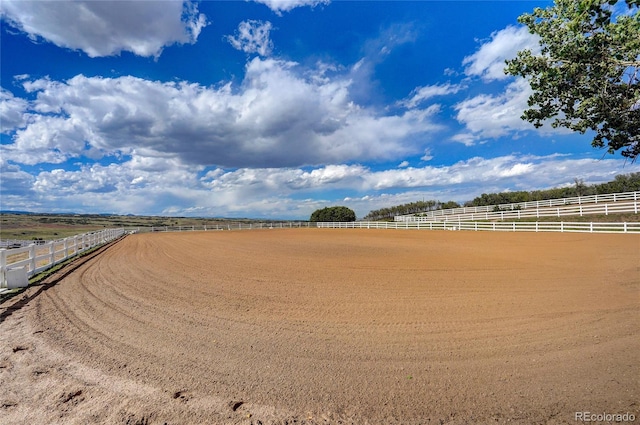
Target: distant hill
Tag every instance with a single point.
(15, 212)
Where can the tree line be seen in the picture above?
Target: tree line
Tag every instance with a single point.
(410, 208)
(621, 183)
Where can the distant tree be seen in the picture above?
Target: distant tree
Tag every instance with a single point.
(621, 183)
(449, 205)
(580, 186)
(410, 208)
(338, 213)
(587, 76)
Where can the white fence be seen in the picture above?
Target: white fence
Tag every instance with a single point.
(495, 226)
(17, 243)
(17, 265)
(567, 210)
(627, 202)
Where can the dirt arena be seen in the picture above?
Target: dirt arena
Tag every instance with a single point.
(325, 326)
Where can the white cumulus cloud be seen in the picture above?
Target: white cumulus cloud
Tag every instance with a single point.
(253, 37)
(279, 116)
(105, 28)
(497, 114)
(488, 62)
(279, 6)
(13, 112)
(488, 115)
(422, 94)
(148, 185)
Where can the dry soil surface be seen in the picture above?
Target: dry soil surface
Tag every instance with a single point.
(323, 326)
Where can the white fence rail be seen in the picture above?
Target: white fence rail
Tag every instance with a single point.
(495, 226)
(567, 210)
(582, 205)
(18, 243)
(17, 265)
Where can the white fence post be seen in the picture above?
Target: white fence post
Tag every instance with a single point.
(52, 252)
(32, 258)
(3, 267)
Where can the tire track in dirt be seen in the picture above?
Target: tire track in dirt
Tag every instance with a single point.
(323, 326)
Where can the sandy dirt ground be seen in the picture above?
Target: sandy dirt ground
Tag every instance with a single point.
(325, 326)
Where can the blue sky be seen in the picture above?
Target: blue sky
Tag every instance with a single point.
(271, 109)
